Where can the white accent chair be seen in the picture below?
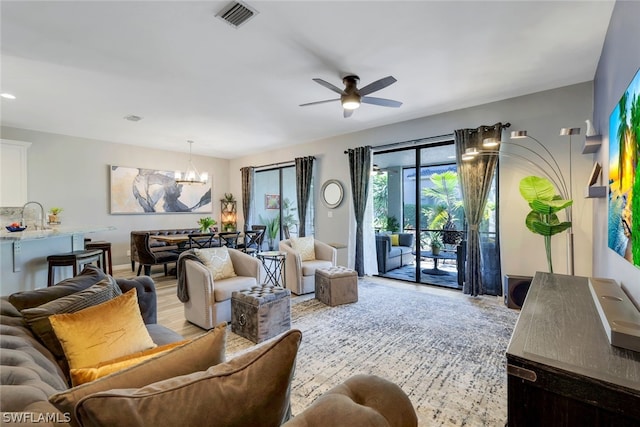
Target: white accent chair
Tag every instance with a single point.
(300, 275)
(210, 301)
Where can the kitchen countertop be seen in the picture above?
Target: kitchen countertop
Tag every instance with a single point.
(50, 232)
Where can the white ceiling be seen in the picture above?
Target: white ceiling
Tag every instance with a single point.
(78, 67)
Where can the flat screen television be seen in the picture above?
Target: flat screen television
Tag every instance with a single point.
(624, 179)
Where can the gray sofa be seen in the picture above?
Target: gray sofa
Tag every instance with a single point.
(30, 375)
(389, 256)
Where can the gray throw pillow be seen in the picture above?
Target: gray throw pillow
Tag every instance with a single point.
(28, 299)
(37, 318)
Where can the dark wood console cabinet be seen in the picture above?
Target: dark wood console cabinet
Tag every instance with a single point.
(561, 369)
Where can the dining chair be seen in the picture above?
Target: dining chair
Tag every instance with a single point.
(203, 240)
(251, 239)
(262, 228)
(229, 239)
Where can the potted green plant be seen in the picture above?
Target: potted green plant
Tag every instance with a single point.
(392, 224)
(544, 203)
(53, 215)
(273, 226)
(436, 242)
(206, 223)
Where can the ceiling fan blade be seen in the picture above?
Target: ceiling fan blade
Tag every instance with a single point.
(380, 101)
(377, 85)
(329, 86)
(347, 113)
(319, 102)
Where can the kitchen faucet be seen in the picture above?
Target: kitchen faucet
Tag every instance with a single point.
(41, 214)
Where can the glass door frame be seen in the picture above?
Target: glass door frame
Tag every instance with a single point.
(418, 166)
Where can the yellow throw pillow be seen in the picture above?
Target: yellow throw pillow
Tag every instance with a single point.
(395, 240)
(102, 332)
(85, 375)
(305, 247)
(38, 317)
(217, 261)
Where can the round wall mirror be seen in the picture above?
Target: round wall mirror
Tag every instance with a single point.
(332, 193)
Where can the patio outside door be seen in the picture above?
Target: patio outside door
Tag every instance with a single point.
(416, 191)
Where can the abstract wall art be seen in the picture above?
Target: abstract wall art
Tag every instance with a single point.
(624, 179)
(149, 191)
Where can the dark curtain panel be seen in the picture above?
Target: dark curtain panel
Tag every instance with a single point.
(475, 183)
(360, 169)
(304, 174)
(247, 176)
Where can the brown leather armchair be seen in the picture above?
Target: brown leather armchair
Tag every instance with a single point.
(147, 258)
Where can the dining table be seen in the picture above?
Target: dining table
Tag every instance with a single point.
(179, 240)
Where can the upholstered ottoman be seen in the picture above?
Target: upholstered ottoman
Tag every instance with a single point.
(261, 312)
(336, 285)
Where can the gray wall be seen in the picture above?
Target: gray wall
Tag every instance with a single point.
(618, 64)
(542, 114)
(73, 173)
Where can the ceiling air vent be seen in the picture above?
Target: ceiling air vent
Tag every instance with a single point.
(236, 13)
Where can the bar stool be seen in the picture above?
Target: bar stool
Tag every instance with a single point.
(75, 259)
(105, 247)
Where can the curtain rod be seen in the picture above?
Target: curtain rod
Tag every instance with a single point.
(420, 140)
(287, 163)
(290, 162)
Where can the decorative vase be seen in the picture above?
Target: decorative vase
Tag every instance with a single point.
(435, 250)
(53, 219)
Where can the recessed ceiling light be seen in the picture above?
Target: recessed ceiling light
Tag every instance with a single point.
(7, 96)
(133, 118)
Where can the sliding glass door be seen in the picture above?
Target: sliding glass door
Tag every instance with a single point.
(274, 204)
(416, 194)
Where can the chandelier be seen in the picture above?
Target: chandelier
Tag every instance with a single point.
(191, 176)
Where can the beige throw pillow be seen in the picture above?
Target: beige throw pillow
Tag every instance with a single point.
(197, 355)
(305, 247)
(217, 261)
(250, 390)
(102, 332)
(85, 375)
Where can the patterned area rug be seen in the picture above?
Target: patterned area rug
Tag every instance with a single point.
(446, 352)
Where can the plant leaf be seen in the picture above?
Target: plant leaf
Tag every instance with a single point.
(550, 229)
(549, 206)
(535, 187)
(545, 225)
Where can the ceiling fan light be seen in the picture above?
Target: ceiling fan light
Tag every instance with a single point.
(350, 105)
(350, 101)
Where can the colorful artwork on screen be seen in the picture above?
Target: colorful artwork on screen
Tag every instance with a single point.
(624, 179)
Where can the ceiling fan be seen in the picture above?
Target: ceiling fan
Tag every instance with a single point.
(351, 96)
